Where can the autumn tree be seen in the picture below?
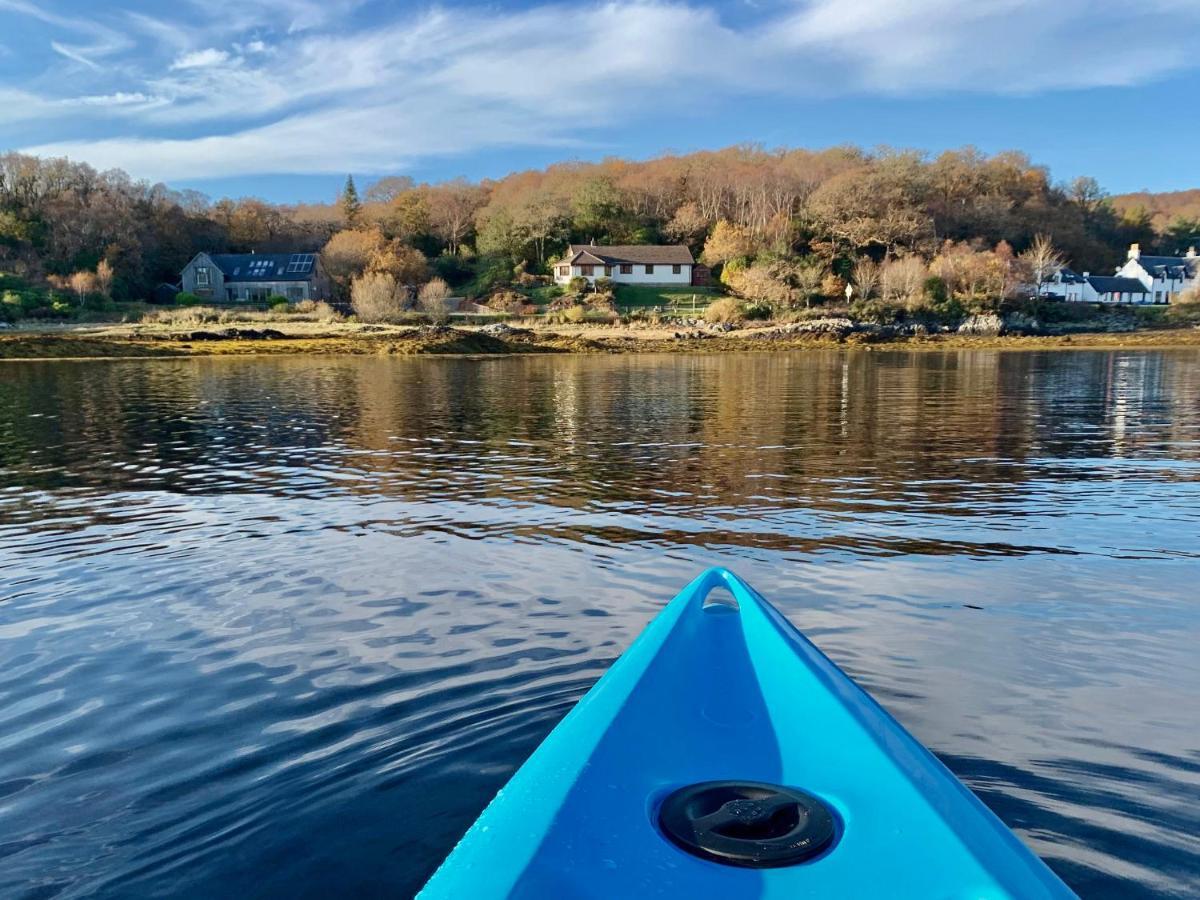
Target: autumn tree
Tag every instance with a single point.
(348, 253)
(82, 283)
(104, 277)
(727, 241)
(452, 207)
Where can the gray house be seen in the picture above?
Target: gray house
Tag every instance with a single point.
(253, 277)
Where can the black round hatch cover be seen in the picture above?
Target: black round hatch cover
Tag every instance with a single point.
(747, 823)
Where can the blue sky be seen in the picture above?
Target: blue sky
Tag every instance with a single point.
(282, 98)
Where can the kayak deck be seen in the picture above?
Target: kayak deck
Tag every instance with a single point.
(711, 693)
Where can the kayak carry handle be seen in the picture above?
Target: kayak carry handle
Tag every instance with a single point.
(731, 591)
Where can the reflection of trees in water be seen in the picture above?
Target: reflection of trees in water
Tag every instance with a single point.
(725, 433)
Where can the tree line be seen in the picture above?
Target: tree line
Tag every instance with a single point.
(789, 224)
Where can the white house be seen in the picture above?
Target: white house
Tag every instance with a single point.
(1143, 279)
(1089, 288)
(1065, 285)
(627, 264)
(1165, 277)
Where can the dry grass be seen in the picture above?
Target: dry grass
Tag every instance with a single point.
(192, 316)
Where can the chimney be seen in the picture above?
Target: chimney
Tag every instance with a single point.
(1087, 274)
(1191, 254)
(1135, 251)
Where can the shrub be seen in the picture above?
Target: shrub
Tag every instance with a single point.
(375, 297)
(726, 310)
(881, 312)
(577, 285)
(433, 300)
(186, 298)
(506, 301)
(306, 306)
(434, 289)
(325, 313)
(758, 311)
(277, 300)
(604, 285)
(1185, 313)
(575, 314)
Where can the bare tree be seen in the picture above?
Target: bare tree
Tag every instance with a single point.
(433, 300)
(902, 280)
(865, 277)
(1043, 260)
(376, 297)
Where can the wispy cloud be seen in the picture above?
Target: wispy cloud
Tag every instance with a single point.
(199, 59)
(301, 86)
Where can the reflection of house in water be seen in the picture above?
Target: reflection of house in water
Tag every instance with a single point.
(1134, 383)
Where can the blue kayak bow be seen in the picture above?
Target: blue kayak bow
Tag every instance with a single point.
(724, 756)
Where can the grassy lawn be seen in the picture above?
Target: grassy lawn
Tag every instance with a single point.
(635, 296)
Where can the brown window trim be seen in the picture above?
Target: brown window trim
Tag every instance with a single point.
(626, 268)
(649, 268)
(676, 269)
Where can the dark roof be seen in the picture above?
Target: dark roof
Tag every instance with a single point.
(265, 266)
(1110, 284)
(1067, 276)
(642, 254)
(1170, 266)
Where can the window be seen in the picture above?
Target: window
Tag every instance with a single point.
(649, 270)
(295, 292)
(202, 276)
(1158, 296)
(626, 268)
(588, 270)
(608, 271)
(675, 270)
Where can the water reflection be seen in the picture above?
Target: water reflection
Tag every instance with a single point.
(280, 627)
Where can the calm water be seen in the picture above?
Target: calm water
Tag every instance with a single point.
(280, 628)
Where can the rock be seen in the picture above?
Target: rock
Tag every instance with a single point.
(498, 329)
(1019, 323)
(233, 334)
(987, 325)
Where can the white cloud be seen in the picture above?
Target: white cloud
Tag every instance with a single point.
(75, 54)
(199, 59)
(329, 96)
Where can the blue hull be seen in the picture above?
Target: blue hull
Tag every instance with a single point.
(710, 693)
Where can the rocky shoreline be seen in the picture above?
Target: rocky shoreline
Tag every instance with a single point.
(978, 332)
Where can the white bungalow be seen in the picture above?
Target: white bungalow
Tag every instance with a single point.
(1164, 277)
(628, 264)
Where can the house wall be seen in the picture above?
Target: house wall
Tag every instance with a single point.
(662, 274)
(1162, 290)
(261, 290)
(215, 290)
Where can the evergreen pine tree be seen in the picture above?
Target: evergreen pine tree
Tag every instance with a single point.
(351, 206)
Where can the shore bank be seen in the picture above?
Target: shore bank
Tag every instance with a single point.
(141, 341)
